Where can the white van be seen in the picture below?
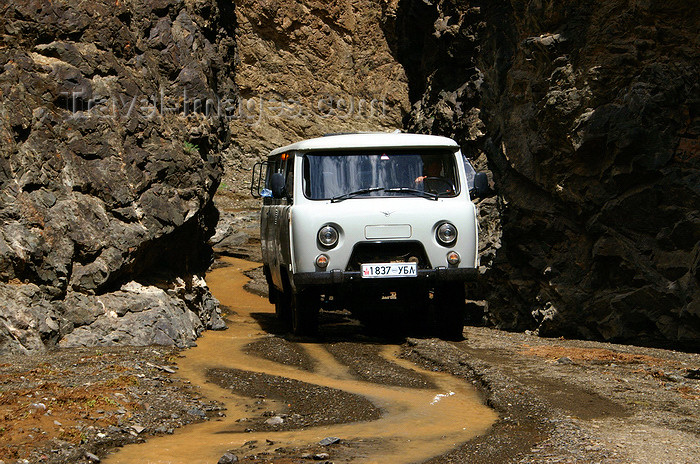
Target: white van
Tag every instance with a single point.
(353, 219)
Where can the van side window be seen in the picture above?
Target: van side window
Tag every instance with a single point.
(273, 166)
(283, 164)
(471, 172)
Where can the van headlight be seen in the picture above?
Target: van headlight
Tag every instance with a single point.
(446, 234)
(328, 236)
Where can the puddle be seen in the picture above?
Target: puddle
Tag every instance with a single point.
(416, 423)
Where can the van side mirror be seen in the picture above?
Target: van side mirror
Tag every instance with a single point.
(481, 185)
(277, 185)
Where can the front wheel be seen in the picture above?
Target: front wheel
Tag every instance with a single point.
(450, 310)
(283, 306)
(305, 307)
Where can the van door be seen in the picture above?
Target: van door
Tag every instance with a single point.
(274, 220)
(265, 214)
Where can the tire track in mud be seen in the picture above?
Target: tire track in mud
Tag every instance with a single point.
(403, 423)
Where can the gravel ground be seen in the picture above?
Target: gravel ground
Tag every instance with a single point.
(573, 401)
(366, 364)
(307, 405)
(281, 351)
(72, 405)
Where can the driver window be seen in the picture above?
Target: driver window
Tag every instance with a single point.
(438, 175)
(282, 164)
(273, 166)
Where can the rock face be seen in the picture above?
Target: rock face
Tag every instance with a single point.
(307, 68)
(108, 164)
(587, 114)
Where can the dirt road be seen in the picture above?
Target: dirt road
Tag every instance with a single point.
(260, 395)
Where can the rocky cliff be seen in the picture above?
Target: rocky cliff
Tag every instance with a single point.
(306, 68)
(588, 117)
(111, 133)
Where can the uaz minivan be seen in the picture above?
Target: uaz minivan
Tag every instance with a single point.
(349, 220)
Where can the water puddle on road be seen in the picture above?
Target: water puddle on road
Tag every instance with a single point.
(415, 424)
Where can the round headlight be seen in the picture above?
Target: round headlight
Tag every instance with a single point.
(328, 236)
(446, 233)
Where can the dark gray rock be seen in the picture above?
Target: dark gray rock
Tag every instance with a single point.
(329, 441)
(92, 457)
(232, 232)
(588, 122)
(105, 177)
(197, 413)
(228, 458)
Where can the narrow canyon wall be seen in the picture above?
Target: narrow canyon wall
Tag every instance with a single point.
(108, 164)
(587, 115)
(307, 68)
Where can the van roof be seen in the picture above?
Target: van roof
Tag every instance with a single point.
(369, 140)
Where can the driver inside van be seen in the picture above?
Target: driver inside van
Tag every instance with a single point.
(432, 178)
(431, 168)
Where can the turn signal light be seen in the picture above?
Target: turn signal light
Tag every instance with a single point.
(453, 258)
(322, 261)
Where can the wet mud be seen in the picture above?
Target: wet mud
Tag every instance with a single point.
(280, 351)
(284, 396)
(303, 404)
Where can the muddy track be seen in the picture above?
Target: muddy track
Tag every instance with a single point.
(282, 397)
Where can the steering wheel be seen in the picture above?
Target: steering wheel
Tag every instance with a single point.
(434, 184)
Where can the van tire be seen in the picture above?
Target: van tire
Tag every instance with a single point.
(416, 313)
(450, 311)
(305, 307)
(272, 292)
(283, 306)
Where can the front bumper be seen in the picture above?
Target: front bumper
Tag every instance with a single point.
(427, 276)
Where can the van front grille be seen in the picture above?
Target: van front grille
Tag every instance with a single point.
(388, 252)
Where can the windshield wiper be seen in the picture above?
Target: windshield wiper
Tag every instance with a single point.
(421, 193)
(345, 196)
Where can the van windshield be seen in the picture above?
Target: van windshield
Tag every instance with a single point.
(341, 175)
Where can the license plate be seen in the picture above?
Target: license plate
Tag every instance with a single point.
(379, 270)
